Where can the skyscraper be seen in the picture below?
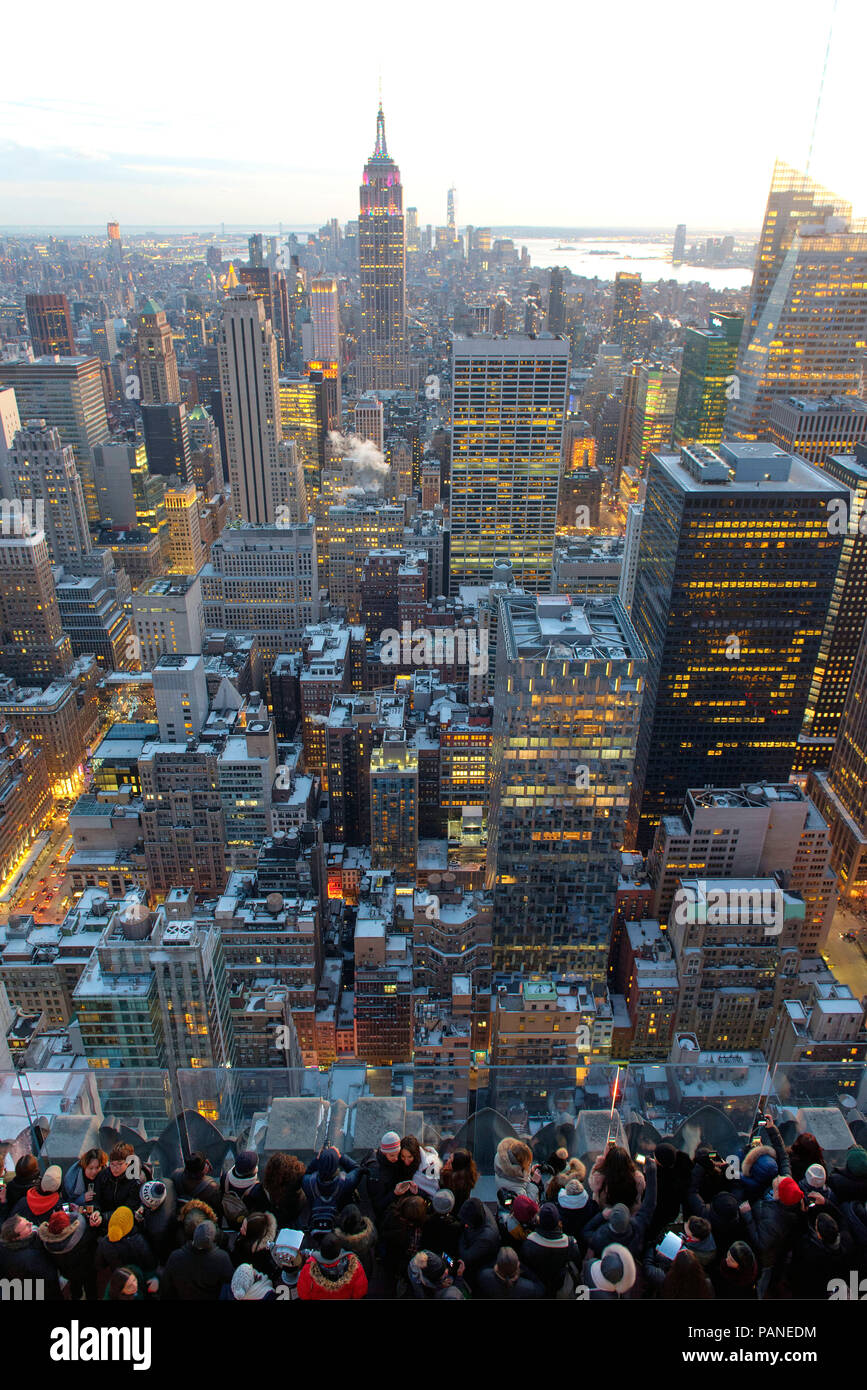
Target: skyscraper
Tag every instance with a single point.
(567, 698)
(679, 248)
(627, 307)
(450, 215)
(706, 380)
(807, 322)
(66, 392)
(652, 418)
(736, 567)
(841, 792)
(33, 645)
(251, 406)
(383, 361)
(45, 478)
(508, 409)
(50, 325)
(325, 313)
(157, 364)
(556, 301)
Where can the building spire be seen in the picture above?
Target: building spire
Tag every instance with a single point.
(381, 150)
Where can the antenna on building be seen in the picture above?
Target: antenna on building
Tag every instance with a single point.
(821, 85)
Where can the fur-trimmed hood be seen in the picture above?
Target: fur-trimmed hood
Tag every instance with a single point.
(61, 1242)
(362, 1241)
(753, 1155)
(505, 1165)
(268, 1236)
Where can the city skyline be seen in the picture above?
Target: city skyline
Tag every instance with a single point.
(91, 160)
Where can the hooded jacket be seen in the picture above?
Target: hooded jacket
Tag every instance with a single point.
(547, 1256)
(203, 1189)
(815, 1264)
(448, 1291)
(479, 1239)
(195, 1276)
(598, 1232)
(380, 1178)
(28, 1259)
(131, 1249)
(159, 1224)
(75, 1184)
(360, 1243)
(510, 1175)
(259, 1255)
(342, 1280)
(628, 1286)
(576, 1210)
(737, 1284)
(71, 1251)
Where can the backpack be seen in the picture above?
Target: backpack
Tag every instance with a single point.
(322, 1210)
(234, 1208)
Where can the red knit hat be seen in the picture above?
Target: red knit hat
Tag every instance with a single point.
(788, 1192)
(57, 1222)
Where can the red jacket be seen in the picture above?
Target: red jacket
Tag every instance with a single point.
(345, 1279)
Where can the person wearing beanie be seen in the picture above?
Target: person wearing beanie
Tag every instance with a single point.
(723, 1214)
(518, 1220)
(43, 1198)
(443, 1230)
(615, 1225)
(356, 1232)
(193, 1182)
(70, 1242)
(508, 1280)
(23, 1255)
(248, 1286)
(157, 1217)
(849, 1183)
(430, 1278)
(327, 1189)
(479, 1239)
(121, 1244)
(612, 1276)
(197, 1272)
(241, 1192)
(674, 1174)
(571, 1168)
(577, 1208)
(774, 1223)
(332, 1274)
(381, 1173)
(548, 1251)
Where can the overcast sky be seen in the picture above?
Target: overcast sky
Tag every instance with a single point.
(566, 114)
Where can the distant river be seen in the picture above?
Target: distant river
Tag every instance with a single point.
(647, 258)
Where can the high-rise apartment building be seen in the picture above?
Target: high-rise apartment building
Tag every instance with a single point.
(567, 700)
(736, 567)
(707, 380)
(626, 313)
(383, 358)
(46, 482)
(807, 323)
(33, 645)
(50, 325)
(249, 377)
(679, 248)
(157, 364)
(508, 409)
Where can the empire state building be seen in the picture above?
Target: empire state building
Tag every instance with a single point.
(383, 359)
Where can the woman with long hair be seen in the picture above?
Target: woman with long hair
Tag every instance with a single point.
(686, 1278)
(460, 1175)
(615, 1177)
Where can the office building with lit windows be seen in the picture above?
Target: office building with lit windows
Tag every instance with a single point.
(813, 427)
(249, 374)
(263, 580)
(841, 792)
(508, 410)
(157, 364)
(325, 313)
(383, 359)
(627, 313)
(50, 325)
(567, 701)
(394, 803)
(736, 568)
(707, 380)
(652, 416)
(33, 644)
(47, 483)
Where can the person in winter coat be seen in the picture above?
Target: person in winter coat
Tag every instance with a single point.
(515, 1171)
(70, 1243)
(382, 1173)
(577, 1209)
(548, 1250)
(23, 1256)
(773, 1225)
(157, 1217)
(430, 1277)
(194, 1181)
(115, 1186)
(327, 1189)
(254, 1243)
(241, 1193)
(248, 1286)
(422, 1166)
(822, 1254)
(673, 1179)
(332, 1274)
(508, 1280)
(572, 1169)
(615, 1177)
(79, 1178)
(804, 1151)
(854, 1218)
(459, 1174)
(443, 1230)
(44, 1197)
(680, 1278)
(849, 1183)
(357, 1233)
(26, 1176)
(615, 1225)
(479, 1240)
(197, 1272)
(126, 1285)
(282, 1183)
(817, 1193)
(612, 1276)
(736, 1274)
(401, 1232)
(191, 1215)
(723, 1215)
(698, 1240)
(710, 1174)
(122, 1244)
(518, 1221)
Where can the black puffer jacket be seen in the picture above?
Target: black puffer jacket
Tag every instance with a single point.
(195, 1276)
(815, 1264)
(110, 1192)
(72, 1251)
(158, 1225)
(27, 1259)
(479, 1240)
(547, 1258)
(129, 1250)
